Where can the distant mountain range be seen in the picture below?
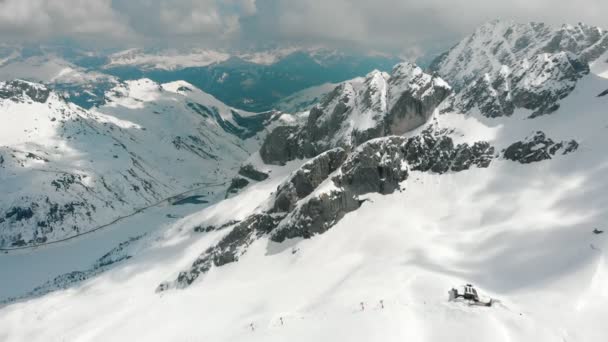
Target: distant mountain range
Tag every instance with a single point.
(251, 80)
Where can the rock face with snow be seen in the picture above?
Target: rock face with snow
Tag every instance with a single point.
(503, 66)
(499, 43)
(306, 179)
(436, 152)
(317, 196)
(536, 85)
(65, 170)
(20, 91)
(250, 172)
(537, 148)
(357, 111)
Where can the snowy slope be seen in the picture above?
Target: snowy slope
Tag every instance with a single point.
(521, 233)
(357, 243)
(66, 170)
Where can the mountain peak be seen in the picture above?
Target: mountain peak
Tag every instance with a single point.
(499, 43)
(21, 90)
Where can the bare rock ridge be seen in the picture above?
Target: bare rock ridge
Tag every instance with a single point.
(503, 66)
(318, 195)
(537, 84)
(358, 111)
(18, 90)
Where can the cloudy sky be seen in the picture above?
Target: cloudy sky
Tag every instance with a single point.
(384, 25)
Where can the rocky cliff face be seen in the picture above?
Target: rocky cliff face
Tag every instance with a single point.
(360, 110)
(503, 66)
(537, 85)
(19, 91)
(318, 195)
(500, 43)
(538, 147)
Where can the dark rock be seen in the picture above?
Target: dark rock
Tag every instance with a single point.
(376, 166)
(229, 248)
(480, 155)
(307, 178)
(281, 145)
(236, 185)
(16, 89)
(604, 93)
(434, 152)
(317, 215)
(206, 229)
(250, 172)
(537, 86)
(19, 214)
(537, 148)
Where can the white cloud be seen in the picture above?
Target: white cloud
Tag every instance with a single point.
(38, 19)
(405, 26)
(408, 23)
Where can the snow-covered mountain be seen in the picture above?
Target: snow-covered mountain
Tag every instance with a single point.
(83, 86)
(499, 43)
(505, 65)
(360, 110)
(171, 59)
(355, 219)
(254, 80)
(66, 170)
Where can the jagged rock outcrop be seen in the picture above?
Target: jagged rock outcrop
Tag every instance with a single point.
(412, 98)
(502, 43)
(283, 144)
(376, 166)
(18, 90)
(236, 185)
(537, 148)
(504, 66)
(317, 215)
(250, 172)
(537, 85)
(318, 195)
(307, 178)
(360, 110)
(435, 151)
